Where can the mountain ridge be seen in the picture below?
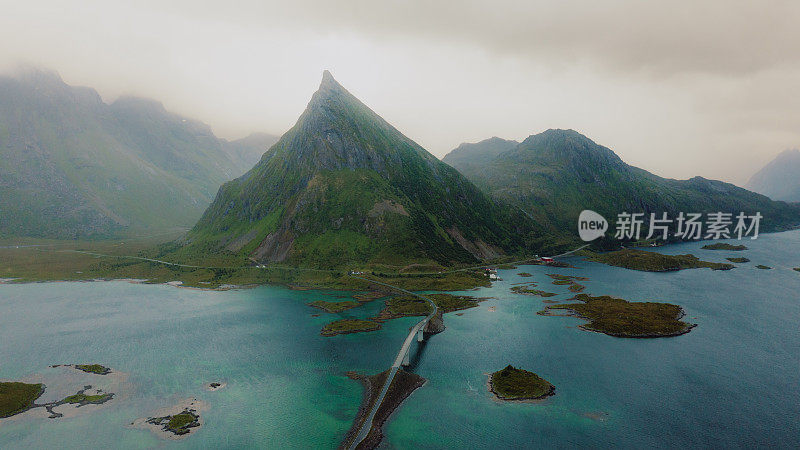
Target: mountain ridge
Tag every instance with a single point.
(780, 178)
(556, 174)
(344, 186)
(74, 166)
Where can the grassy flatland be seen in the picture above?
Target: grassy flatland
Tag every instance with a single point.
(621, 318)
(16, 397)
(724, 246)
(334, 307)
(511, 383)
(346, 326)
(654, 262)
(63, 261)
(738, 260)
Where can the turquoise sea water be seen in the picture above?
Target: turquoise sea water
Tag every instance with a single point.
(734, 381)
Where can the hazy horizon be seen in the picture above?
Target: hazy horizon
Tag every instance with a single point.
(708, 89)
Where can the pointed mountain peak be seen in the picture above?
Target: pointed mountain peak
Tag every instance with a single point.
(329, 85)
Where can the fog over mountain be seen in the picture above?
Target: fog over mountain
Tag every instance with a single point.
(705, 85)
(780, 179)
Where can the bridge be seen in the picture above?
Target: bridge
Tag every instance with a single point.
(402, 359)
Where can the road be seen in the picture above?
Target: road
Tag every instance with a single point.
(398, 361)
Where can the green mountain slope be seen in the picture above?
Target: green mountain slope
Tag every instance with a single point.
(556, 174)
(72, 166)
(247, 151)
(343, 186)
(780, 179)
(470, 157)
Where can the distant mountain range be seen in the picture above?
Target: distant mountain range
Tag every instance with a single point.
(556, 174)
(344, 186)
(72, 166)
(780, 179)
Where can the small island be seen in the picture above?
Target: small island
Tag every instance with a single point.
(724, 246)
(763, 267)
(738, 260)
(796, 269)
(526, 290)
(177, 424)
(511, 383)
(621, 318)
(334, 307)
(96, 369)
(347, 326)
(525, 274)
(655, 262)
(17, 397)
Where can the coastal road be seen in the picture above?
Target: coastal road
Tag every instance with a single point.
(398, 361)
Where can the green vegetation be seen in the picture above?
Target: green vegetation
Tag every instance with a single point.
(93, 368)
(346, 326)
(181, 420)
(555, 175)
(654, 262)
(334, 307)
(511, 383)
(797, 269)
(448, 302)
(525, 274)
(405, 305)
(618, 317)
(763, 267)
(738, 260)
(369, 296)
(575, 287)
(370, 197)
(84, 399)
(178, 424)
(16, 397)
(63, 260)
(724, 246)
(528, 291)
(126, 168)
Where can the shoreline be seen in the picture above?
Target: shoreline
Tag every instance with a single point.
(404, 384)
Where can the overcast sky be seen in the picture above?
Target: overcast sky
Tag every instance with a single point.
(707, 88)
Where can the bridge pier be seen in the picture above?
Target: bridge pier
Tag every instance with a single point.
(420, 336)
(406, 360)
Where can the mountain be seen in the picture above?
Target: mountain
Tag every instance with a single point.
(471, 157)
(343, 186)
(780, 179)
(72, 166)
(556, 174)
(247, 151)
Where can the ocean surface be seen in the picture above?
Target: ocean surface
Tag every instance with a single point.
(734, 381)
